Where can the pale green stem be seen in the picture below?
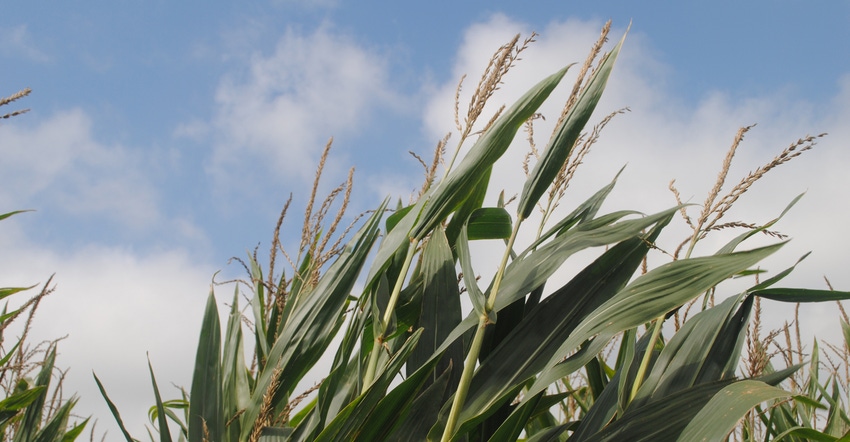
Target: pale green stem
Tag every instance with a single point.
(647, 355)
(465, 379)
(379, 340)
(477, 340)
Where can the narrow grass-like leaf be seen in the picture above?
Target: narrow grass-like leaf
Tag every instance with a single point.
(802, 295)
(73, 433)
(235, 390)
(513, 426)
(162, 421)
(8, 291)
(8, 214)
(393, 409)
(113, 409)
(472, 203)
(663, 289)
(205, 412)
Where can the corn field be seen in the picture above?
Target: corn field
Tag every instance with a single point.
(422, 347)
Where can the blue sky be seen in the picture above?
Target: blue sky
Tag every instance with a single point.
(164, 138)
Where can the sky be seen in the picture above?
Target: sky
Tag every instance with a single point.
(164, 138)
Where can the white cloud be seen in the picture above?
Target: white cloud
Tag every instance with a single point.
(279, 114)
(665, 137)
(18, 41)
(114, 306)
(60, 162)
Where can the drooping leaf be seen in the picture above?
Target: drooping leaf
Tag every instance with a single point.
(461, 182)
(534, 342)
(717, 418)
(489, 223)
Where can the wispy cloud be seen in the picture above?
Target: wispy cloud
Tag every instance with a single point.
(17, 41)
(60, 164)
(275, 116)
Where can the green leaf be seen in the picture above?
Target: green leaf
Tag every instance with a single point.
(462, 181)
(235, 392)
(6, 215)
(706, 349)
(8, 291)
(469, 277)
(538, 338)
(313, 324)
(423, 410)
(663, 289)
(558, 150)
(801, 295)
(717, 418)
(350, 420)
(33, 414)
(652, 295)
(730, 247)
(54, 429)
(113, 409)
(72, 434)
(164, 433)
(512, 427)
(205, 412)
(489, 223)
(13, 404)
(441, 310)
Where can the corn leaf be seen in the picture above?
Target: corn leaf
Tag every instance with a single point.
(489, 223)
(535, 341)
(235, 392)
(350, 421)
(113, 409)
(802, 295)
(164, 433)
(556, 153)
(441, 310)
(32, 416)
(717, 418)
(313, 323)
(462, 181)
(706, 348)
(205, 411)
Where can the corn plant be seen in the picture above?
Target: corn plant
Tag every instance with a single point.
(32, 409)
(409, 364)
